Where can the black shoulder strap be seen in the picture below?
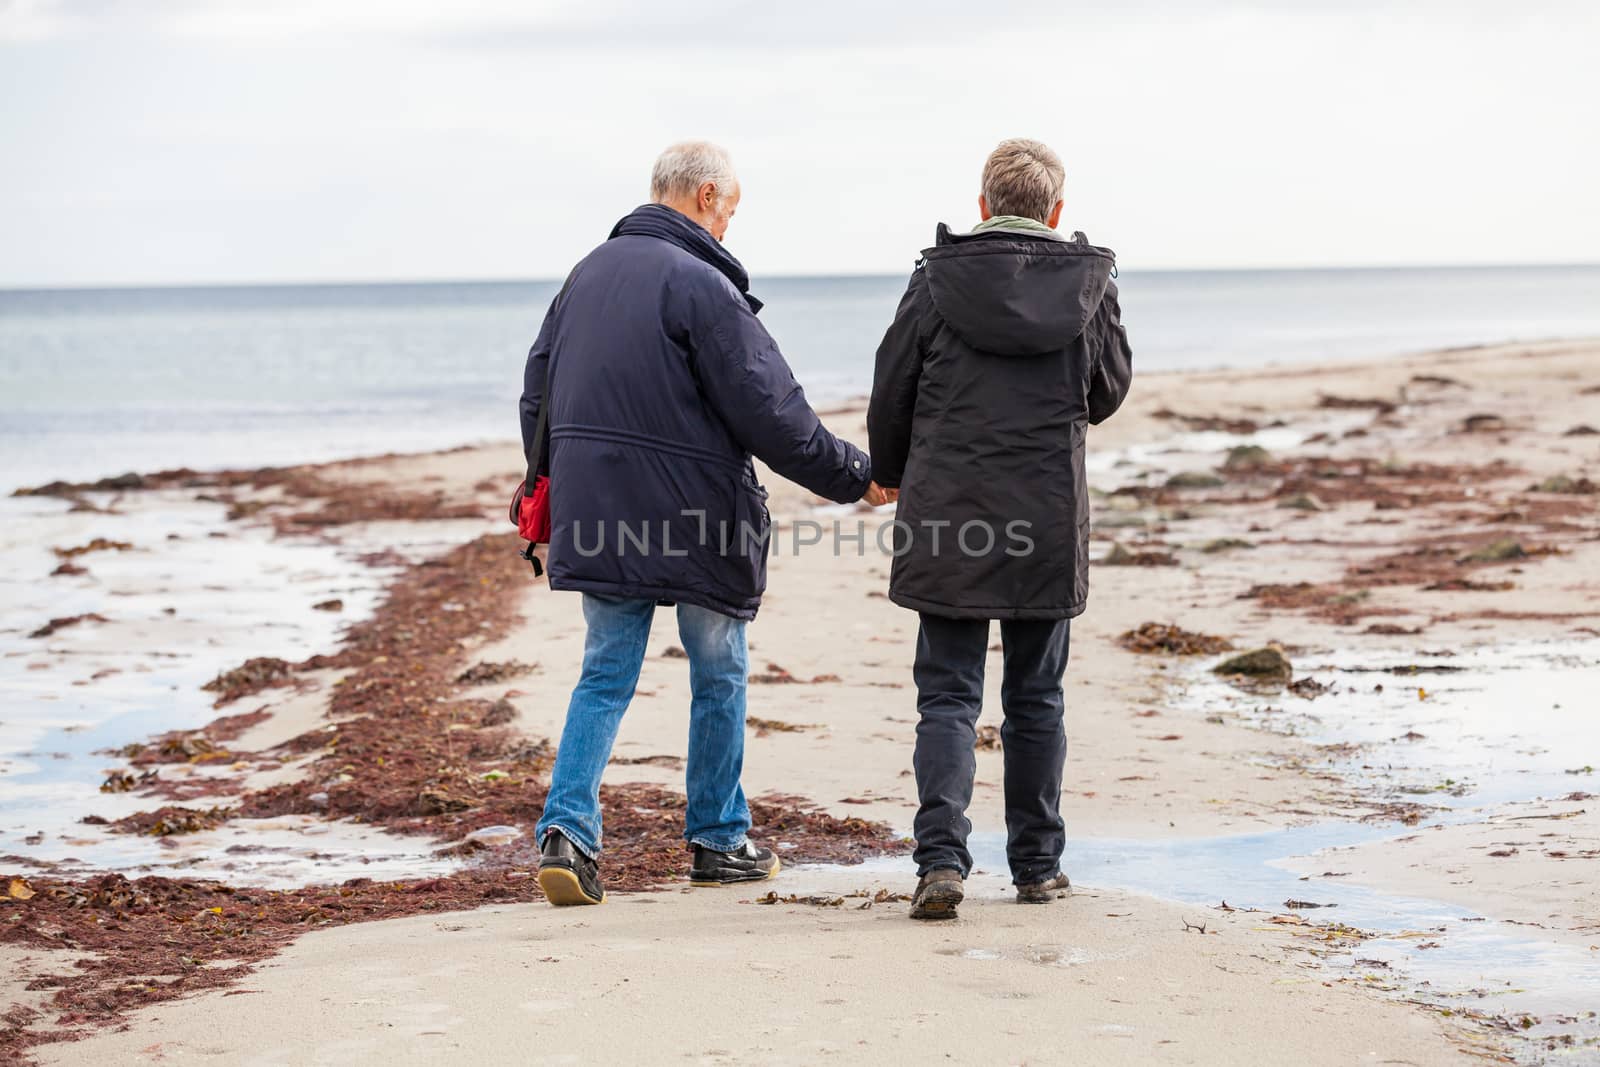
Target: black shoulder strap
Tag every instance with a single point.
(537, 455)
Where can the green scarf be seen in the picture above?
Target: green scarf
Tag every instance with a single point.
(1011, 222)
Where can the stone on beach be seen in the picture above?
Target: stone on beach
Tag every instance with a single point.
(1561, 483)
(1301, 502)
(1224, 544)
(1246, 457)
(1122, 557)
(1194, 480)
(1264, 663)
(1484, 423)
(1497, 551)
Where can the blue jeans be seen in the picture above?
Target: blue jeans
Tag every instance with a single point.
(719, 666)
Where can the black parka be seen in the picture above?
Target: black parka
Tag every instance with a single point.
(1007, 345)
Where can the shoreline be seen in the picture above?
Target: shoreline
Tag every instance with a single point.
(1403, 469)
(828, 405)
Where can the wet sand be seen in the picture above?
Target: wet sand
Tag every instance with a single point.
(1396, 479)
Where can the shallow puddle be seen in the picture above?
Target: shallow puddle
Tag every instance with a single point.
(1457, 728)
(1043, 955)
(1510, 725)
(180, 606)
(1461, 730)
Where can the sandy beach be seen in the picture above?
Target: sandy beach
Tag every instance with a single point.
(1383, 851)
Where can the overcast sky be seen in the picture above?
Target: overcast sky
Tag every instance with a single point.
(155, 141)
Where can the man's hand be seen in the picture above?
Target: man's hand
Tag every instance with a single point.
(877, 495)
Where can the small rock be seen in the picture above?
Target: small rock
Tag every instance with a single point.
(1482, 424)
(1560, 483)
(1301, 502)
(1121, 557)
(1194, 480)
(1246, 457)
(1496, 551)
(318, 801)
(329, 605)
(1266, 662)
(1581, 430)
(1224, 544)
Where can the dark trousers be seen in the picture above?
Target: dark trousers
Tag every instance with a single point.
(949, 676)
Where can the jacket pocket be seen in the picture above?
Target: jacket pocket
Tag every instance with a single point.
(1080, 559)
(752, 535)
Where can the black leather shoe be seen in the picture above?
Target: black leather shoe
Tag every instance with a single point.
(1057, 885)
(566, 875)
(747, 863)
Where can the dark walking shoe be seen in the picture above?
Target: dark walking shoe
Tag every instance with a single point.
(938, 895)
(1044, 892)
(566, 875)
(747, 863)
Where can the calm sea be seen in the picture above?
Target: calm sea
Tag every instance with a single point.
(96, 382)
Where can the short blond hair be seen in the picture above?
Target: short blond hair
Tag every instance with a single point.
(1023, 177)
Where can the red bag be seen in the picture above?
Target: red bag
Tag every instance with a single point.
(530, 511)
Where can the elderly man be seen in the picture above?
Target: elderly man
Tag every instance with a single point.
(660, 385)
(1006, 347)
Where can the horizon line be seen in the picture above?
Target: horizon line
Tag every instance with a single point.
(89, 287)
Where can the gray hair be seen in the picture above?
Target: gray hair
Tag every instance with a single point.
(1023, 177)
(684, 167)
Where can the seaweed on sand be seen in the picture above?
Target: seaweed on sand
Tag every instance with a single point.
(395, 758)
(1174, 640)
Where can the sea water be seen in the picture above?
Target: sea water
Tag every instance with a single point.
(97, 382)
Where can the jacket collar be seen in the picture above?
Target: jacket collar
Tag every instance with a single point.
(946, 236)
(660, 221)
(947, 243)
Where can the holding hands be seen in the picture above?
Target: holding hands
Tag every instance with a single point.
(877, 496)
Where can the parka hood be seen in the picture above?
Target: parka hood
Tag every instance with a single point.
(1016, 292)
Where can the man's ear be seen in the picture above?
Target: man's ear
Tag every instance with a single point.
(708, 196)
(984, 214)
(1055, 214)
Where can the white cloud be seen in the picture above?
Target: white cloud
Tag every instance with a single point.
(235, 141)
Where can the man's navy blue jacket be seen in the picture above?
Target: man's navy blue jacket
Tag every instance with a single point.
(662, 385)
